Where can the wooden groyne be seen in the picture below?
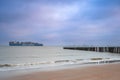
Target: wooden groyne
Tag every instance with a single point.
(97, 49)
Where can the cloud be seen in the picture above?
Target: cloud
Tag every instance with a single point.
(62, 21)
(52, 15)
(41, 18)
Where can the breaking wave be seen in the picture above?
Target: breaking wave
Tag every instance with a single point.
(4, 67)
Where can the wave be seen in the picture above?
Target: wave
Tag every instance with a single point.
(59, 62)
(23, 64)
(6, 65)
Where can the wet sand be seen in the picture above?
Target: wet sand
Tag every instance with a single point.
(98, 72)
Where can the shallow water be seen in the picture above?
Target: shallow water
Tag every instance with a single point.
(29, 57)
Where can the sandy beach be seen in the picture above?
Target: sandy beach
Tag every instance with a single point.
(98, 72)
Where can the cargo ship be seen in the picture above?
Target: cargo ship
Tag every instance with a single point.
(17, 43)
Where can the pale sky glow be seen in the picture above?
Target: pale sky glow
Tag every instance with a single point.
(60, 22)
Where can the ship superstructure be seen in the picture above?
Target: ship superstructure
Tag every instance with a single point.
(17, 43)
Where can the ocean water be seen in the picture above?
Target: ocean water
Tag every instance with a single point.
(31, 57)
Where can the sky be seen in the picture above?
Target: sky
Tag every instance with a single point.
(60, 22)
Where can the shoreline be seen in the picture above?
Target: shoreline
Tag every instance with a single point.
(93, 72)
(24, 71)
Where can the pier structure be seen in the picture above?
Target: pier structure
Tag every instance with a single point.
(97, 49)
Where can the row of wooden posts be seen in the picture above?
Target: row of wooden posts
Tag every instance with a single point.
(97, 49)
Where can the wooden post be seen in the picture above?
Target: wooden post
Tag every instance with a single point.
(118, 49)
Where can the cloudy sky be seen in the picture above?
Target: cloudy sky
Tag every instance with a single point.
(60, 22)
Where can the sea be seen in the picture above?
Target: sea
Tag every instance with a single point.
(16, 58)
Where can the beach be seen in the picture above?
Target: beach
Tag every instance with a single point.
(56, 63)
(95, 72)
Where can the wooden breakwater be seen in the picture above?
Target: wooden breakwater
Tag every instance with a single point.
(97, 49)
